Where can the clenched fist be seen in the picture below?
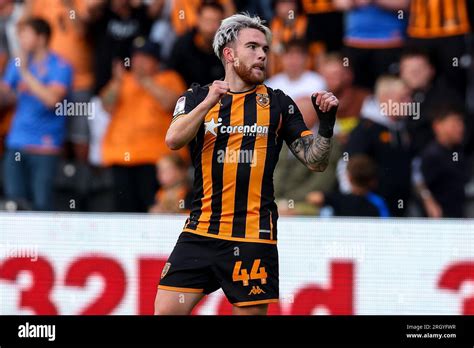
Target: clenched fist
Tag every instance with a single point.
(325, 104)
(216, 91)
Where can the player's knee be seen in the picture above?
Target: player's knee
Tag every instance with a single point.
(162, 307)
(163, 310)
(170, 304)
(251, 310)
(165, 307)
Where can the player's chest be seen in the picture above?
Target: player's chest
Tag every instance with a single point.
(244, 117)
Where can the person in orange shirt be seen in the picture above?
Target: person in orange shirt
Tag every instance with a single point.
(184, 13)
(288, 24)
(325, 26)
(69, 21)
(140, 103)
(441, 28)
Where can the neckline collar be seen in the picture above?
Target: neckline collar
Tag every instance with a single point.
(246, 91)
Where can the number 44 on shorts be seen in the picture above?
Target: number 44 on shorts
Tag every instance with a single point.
(257, 272)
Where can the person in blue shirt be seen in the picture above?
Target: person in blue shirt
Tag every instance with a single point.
(361, 201)
(375, 32)
(36, 82)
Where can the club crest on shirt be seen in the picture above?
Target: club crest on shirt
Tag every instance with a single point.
(165, 269)
(263, 100)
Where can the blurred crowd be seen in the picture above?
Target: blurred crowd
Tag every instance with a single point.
(88, 89)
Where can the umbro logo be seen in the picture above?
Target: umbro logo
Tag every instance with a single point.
(256, 290)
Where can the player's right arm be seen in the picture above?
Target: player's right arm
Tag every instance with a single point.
(186, 124)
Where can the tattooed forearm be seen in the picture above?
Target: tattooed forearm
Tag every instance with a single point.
(313, 151)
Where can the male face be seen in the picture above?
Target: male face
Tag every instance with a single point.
(250, 56)
(29, 39)
(416, 72)
(285, 8)
(450, 128)
(394, 94)
(336, 75)
(144, 64)
(209, 22)
(294, 61)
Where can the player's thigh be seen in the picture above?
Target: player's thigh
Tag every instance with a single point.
(251, 310)
(175, 302)
(186, 276)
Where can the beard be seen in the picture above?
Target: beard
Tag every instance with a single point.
(247, 75)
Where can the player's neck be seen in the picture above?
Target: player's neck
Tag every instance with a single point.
(237, 85)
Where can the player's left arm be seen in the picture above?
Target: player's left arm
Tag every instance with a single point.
(314, 150)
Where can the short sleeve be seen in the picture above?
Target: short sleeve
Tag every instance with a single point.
(293, 126)
(12, 75)
(185, 104)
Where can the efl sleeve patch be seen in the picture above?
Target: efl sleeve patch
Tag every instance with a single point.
(180, 107)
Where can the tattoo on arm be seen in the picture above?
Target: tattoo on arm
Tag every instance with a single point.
(312, 151)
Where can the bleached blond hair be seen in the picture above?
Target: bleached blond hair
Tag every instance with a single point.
(386, 84)
(231, 27)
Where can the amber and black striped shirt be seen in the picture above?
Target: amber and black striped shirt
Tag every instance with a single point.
(438, 18)
(234, 154)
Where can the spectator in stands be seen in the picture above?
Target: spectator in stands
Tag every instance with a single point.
(10, 13)
(193, 56)
(289, 23)
(172, 197)
(374, 36)
(140, 103)
(428, 92)
(441, 28)
(38, 83)
(261, 8)
(184, 13)
(162, 31)
(292, 181)
(361, 201)
(443, 169)
(325, 27)
(381, 134)
(115, 28)
(338, 76)
(69, 21)
(295, 79)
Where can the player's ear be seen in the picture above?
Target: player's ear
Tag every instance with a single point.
(228, 53)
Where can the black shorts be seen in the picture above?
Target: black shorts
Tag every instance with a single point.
(247, 272)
